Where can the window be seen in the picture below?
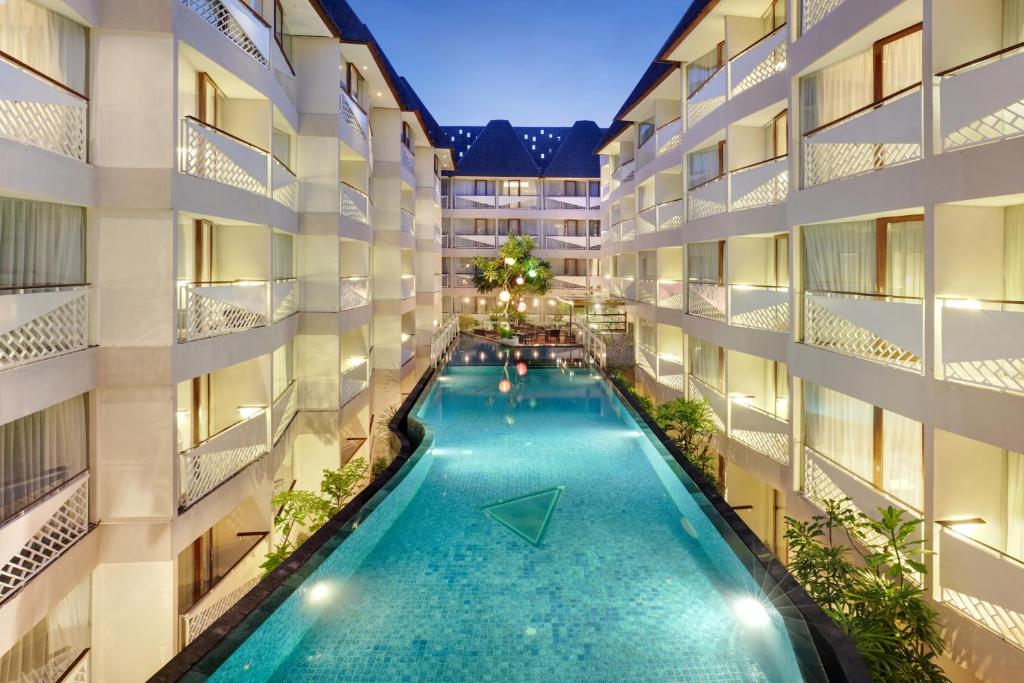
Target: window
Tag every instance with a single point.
(595, 228)
(572, 228)
(211, 101)
(513, 188)
(279, 23)
(775, 16)
(704, 262)
(700, 70)
(406, 135)
(594, 188)
(437, 166)
(645, 131)
(514, 227)
(781, 243)
(354, 83)
(572, 188)
(480, 226)
(281, 146)
(41, 243)
(777, 135)
(46, 41)
(706, 363)
(705, 165)
(483, 188)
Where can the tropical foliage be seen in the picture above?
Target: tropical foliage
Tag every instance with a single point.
(515, 274)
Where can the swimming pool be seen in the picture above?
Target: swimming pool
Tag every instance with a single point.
(537, 534)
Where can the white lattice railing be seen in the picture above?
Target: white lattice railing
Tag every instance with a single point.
(354, 204)
(701, 391)
(408, 161)
(238, 23)
(886, 329)
(283, 410)
(354, 292)
(42, 533)
(759, 62)
(212, 309)
(813, 11)
(354, 379)
(760, 184)
(626, 172)
(516, 201)
(207, 152)
(475, 201)
(284, 293)
(353, 119)
(884, 134)
(628, 229)
(669, 136)
(284, 184)
(707, 98)
(708, 199)
(982, 101)
(647, 221)
(442, 338)
(407, 223)
(706, 299)
(438, 234)
(568, 242)
(670, 215)
(236, 582)
(408, 289)
(760, 430)
(79, 670)
(569, 282)
(672, 294)
(646, 290)
(38, 111)
(408, 350)
(981, 343)
(38, 323)
(203, 468)
(563, 202)
(474, 241)
(672, 371)
(463, 280)
(647, 360)
(760, 308)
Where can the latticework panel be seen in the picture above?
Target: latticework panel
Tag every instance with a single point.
(557, 242)
(771, 192)
(673, 221)
(353, 210)
(568, 283)
(557, 203)
(998, 373)
(831, 331)
(284, 411)
(214, 13)
(772, 318)
(814, 11)
(699, 207)
(203, 158)
(771, 65)
(774, 445)
(672, 142)
(348, 114)
(61, 330)
(57, 128)
(827, 161)
(202, 472)
(288, 194)
(354, 293)
(1007, 122)
(696, 110)
(209, 317)
(479, 242)
(1005, 622)
(707, 301)
(676, 301)
(677, 382)
(288, 304)
(697, 392)
(77, 672)
(69, 523)
(197, 622)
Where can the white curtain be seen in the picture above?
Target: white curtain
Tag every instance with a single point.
(700, 70)
(840, 428)
(835, 91)
(45, 40)
(1013, 253)
(41, 243)
(40, 452)
(283, 371)
(703, 166)
(904, 271)
(1013, 22)
(702, 262)
(902, 458)
(901, 63)
(282, 256)
(705, 362)
(1015, 505)
(840, 257)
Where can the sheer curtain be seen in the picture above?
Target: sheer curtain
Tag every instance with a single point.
(835, 91)
(1013, 22)
(702, 262)
(45, 40)
(840, 257)
(1013, 253)
(41, 243)
(282, 368)
(703, 166)
(40, 452)
(1015, 505)
(840, 428)
(902, 457)
(901, 63)
(282, 266)
(904, 273)
(705, 362)
(700, 70)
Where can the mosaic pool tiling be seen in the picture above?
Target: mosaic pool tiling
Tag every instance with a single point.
(630, 580)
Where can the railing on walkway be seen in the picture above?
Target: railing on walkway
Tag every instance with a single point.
(38, 110)
(211, 153)
(210, 309)
(42, 322)
(206, 466)
(442, 339)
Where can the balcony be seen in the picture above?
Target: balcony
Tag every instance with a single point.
(882, 134)
(672, 372)
(517, 201)
(407, 223)
(622, 286)
(408, 166)
(981, 99)
(759, 430)
(625, 173)
(760, 184)
(672, 294)
(627, 230)
(283, 411)
(646, 290)
(211, 153)
(37, 110)
(354, 124)
(701, 390)
(439, 234)
(570, 203)
(707, 300)
(710, 198)
(708, 97)
(408, 286)
(463, 281)
(210, 309)
(42, 322)
(813, 11)
(647, 221)
(354, 292)
(204, 467)
(236, 582)
(980, 343)
(284, 185)
(408, 350)
(886, 329)
(670, 215)
(647, 360)
(759, 307)
(646, 152)
(41, 534)
(474, 241)
(554, 238)
(475, 201)
(284, 294)
(436, 282)
(355, 379)
(355, 205)
(669, 136)
(238, 23)
(577, 282)
(759, 62)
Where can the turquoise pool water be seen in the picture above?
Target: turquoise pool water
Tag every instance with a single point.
(537, 535)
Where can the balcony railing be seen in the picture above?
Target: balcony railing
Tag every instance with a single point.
(284, 294)
(628, 229)
(672, 294)
(408, 286)
(211, 153)
(239, 24)
(408, 350)
(707, 300)
(558, 240)
(710, 198)
(407, 223)
(981, 342)
(438, 234)
(759, 307)
(701, 390)
(284, 184)
(672, 371)
(80, 668)
(354, 380)
(646, 290)
(442, 338)
(813, 11)
(760, 184)
(670, 214)
(647, 221)
(209, 309)
(569, 282)
(981, 100)
(463, 280)
(518, 201)
(354, 292)
(353, 118)
(283, 410)
(760, 430)
(887, 329)
(759, 62)
(409, 162)
(235, 583)
(43, 532)
(475, 201)
(626, 172)
(882, 134)
(623, 286)
(37, 110)
(474, 241)
(570, 203)
(204, 467)
(669, 136)
(707, 98)
(42, 322)
(355, 204)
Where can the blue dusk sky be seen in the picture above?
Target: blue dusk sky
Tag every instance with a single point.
(533, 62)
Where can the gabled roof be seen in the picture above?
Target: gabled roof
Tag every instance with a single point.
(575, 157)
(500, 150)
(497, 151)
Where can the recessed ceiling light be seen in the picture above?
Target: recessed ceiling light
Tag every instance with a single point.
(364, 67)
(378, 94)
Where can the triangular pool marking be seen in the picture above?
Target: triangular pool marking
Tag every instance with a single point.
(526, 516)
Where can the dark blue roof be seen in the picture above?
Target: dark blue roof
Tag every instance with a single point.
(501, 150)
(495, 150)
(575, 157)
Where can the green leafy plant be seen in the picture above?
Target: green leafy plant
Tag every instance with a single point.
(690, 424)
(877, 602)
(467, 322)
(515, 272)
(380, 465)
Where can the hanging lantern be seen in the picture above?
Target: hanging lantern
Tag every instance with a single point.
(504, 386)
(521, 307)
(504, 296)
(520, 280)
